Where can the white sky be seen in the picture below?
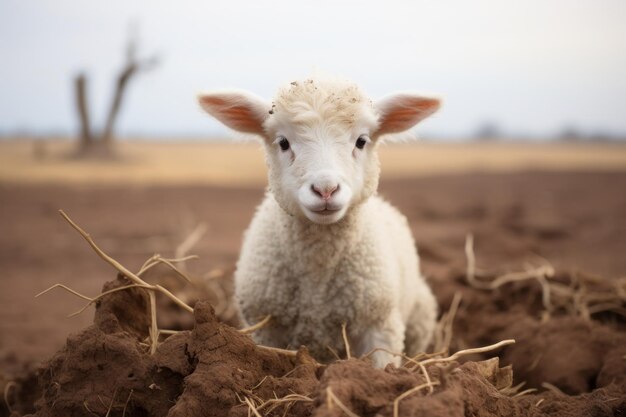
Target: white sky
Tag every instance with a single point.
(531, 66)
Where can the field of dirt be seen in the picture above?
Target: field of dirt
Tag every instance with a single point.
(570, 349)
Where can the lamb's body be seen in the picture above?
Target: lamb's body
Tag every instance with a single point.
(323, 249)
(311, 278)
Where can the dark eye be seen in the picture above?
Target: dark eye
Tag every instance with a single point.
(360, 143)
(284, 144)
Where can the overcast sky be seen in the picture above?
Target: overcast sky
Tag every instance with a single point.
(531, 66)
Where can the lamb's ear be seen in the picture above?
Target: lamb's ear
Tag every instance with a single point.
(402, 111)
(238, 110)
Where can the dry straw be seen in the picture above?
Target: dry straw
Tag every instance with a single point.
(575, 298)
(396, 402)
(444, 328)
(344, 334)
(437, 360)
(151, 289)
(153, 331)
(332, 400)
(260, 408)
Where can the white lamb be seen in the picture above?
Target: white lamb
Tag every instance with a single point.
(323, 249)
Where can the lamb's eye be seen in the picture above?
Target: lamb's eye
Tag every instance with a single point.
(360, 142)
(284, 144)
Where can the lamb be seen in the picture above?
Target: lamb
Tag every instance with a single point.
(323, 250)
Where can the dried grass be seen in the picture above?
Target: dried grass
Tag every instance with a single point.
(396, 402)
(332, 400)
(575, 298)
(540, 274)
(260, 407)
(257, 326)
(287, 352)
(190, 241)
(553, 388)
(135, 278)
(7, 391)
(344, 334)
(130, 394)
(402, 355)
(151, 289)
(252, 407)
(287, 401)
(525, 392)
(512, 390)
(443, 330)
(466, 352)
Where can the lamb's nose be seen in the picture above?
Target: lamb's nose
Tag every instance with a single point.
(326, 191)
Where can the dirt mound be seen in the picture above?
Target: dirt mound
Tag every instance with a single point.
(107, 370)
(574, 352)
(216, 370)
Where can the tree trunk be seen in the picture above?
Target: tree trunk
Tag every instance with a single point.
(80, 83)
(122, 82)
(101, 145)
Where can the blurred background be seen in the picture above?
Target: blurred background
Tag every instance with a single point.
(529, 70)
(98, 117)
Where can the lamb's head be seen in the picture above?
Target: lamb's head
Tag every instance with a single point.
(320, 138)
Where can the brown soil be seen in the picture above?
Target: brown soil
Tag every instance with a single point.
(576, 362)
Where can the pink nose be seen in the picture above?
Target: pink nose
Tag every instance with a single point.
(325, 192)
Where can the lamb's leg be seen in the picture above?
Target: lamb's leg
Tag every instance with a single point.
(389, 335)
(421, 323)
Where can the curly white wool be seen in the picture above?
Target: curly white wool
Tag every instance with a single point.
(323, 249)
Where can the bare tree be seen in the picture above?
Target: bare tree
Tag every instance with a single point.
(101, 145)
(132, 67)
(83, 113)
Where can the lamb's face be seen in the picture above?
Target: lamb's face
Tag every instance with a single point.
(320, 139)
(320, 174)
(321, 156)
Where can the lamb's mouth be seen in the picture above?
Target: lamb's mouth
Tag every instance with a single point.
(324, 215)
(326, 212)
